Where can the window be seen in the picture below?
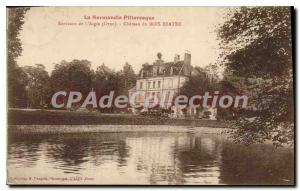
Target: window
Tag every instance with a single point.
(141, 85)
(153, 85)
(158, 95)
(158, 84)
(149, 84)
(170, 83)
(167, 95)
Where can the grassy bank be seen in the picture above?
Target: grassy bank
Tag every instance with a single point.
(58, 129)
(48, 117)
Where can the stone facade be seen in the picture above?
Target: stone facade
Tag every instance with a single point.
(162, 79)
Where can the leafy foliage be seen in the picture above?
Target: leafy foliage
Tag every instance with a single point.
(197, 84)
(257, 45)
(106, 80)
(16, 77)
(75, 75)
(128, 77)
(38, 86)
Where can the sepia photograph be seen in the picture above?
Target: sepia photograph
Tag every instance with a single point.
(150, 96)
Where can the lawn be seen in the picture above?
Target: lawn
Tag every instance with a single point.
(54, 117)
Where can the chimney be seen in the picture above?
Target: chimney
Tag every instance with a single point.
(176, 58)
(187, 58)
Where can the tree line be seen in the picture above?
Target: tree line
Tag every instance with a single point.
(75, 75)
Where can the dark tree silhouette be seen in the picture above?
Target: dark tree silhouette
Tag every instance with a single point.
(258, 49)
(16, 77)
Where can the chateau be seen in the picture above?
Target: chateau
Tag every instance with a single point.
(162, 79)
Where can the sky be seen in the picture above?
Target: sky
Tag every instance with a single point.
(46, 42)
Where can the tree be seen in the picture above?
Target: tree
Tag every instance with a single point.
(105, 81)
(128, 78)
(38, 86)
(258, 49)
(212, 73)
(197, 84)
(72, 76)
(16, 77)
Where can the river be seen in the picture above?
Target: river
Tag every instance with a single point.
(144, 158)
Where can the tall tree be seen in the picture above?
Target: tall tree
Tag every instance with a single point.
(105, 80)
(258, 49)
(38, 86)
(75, 75)
(16, 77)
(128, 77)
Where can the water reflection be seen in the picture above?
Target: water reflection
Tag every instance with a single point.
(155, 158)
(256, 165)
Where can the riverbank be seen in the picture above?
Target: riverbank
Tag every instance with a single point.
(71, 118)
(58, 129)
